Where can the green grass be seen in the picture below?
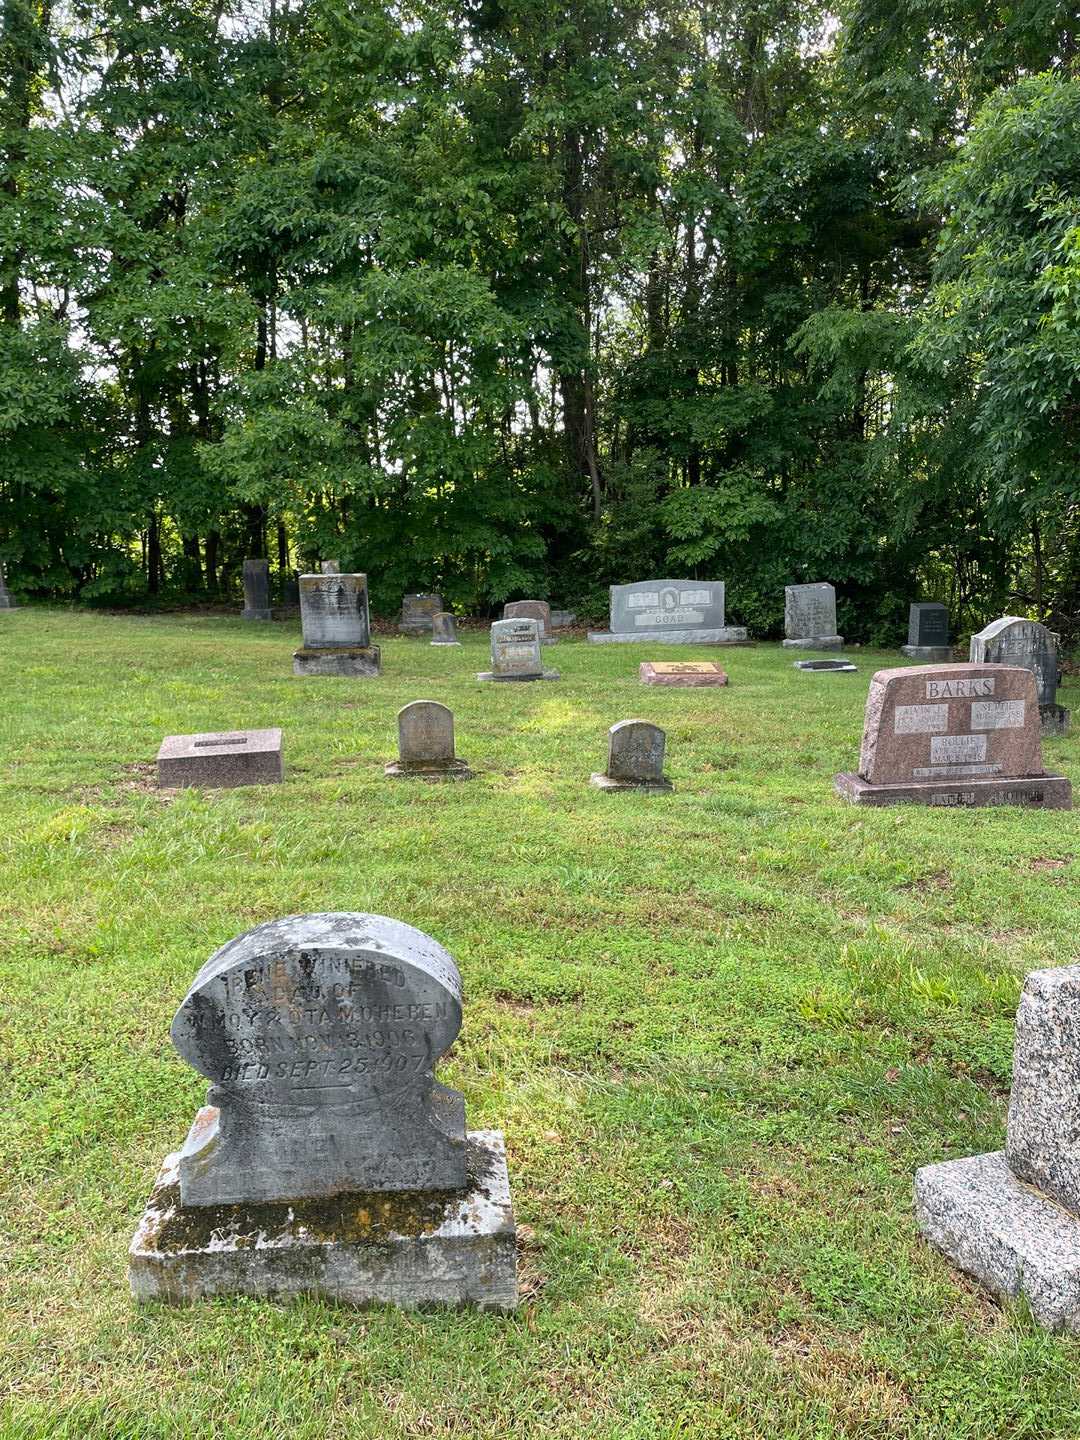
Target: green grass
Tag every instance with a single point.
(720, 1029)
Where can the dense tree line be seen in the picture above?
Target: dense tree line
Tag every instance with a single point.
(508, 297)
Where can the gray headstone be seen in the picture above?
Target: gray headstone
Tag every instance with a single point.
(319, 1035)
(538, 610)
(928, 623)
(659, 604)
(334, 611)
(635, 757)
(810, 617)
(444, 629)
(1015, 641)
(6, 600)
(417, 612)
(1010, 1218)
(330, 567)
(221, 761)
(256, 590)
(426, 743)
(515, 652)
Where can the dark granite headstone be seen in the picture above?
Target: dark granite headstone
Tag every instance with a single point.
(221, 761)
(515, 652)
(810, 617)
(827, 667)
(928, 632)
(256, 590)
(635, 758)
(444, 629)
(426, 744)
(953, 735)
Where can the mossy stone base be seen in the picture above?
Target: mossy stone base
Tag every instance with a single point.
(411, 1248)
(356, 660)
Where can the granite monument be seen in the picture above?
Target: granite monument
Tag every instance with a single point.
(337, 627)
(928, 633)
(810, 618)
(515, 652)
(669, 612)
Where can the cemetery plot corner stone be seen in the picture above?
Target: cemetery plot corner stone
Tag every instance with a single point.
(635, 759)
(328, 1159)
(956, 736)
(1009, 1218)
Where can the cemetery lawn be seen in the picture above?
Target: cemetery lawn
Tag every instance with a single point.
(720, 1030)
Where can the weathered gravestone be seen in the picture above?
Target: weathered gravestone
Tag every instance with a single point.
(337, 627)
(561, 619)
(635, 758)
(690, 674)
(256, 590)
(426, 744)
(328, 1159)
(954, 735)
(221, 761)
(1011, 1219)
(444, 629)
(417, 612)
(1015, 641)
(671, 612)
(330, 567)
(538, 610)
(6, 600)
(515, 652)
(810, 618)
(928, 633)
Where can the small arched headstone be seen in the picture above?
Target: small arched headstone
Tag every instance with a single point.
(444, 629)
(635, 758)
(426, 744)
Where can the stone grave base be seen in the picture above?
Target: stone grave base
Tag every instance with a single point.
(816, 642)
(1044, 792)
(256, 615)
(1054, 719)
(928, 654)
(651, 787)
(221, 761)
(544, 675)
(690, 673)
(1005, 1234)
(430, 770)
(362, 660)
(826, 667)
(725, 635)
(444, 1247)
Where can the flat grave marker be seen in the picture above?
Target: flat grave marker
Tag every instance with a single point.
(682, 674)
(220, 760)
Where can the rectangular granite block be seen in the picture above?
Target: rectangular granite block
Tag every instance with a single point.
(220, 761)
